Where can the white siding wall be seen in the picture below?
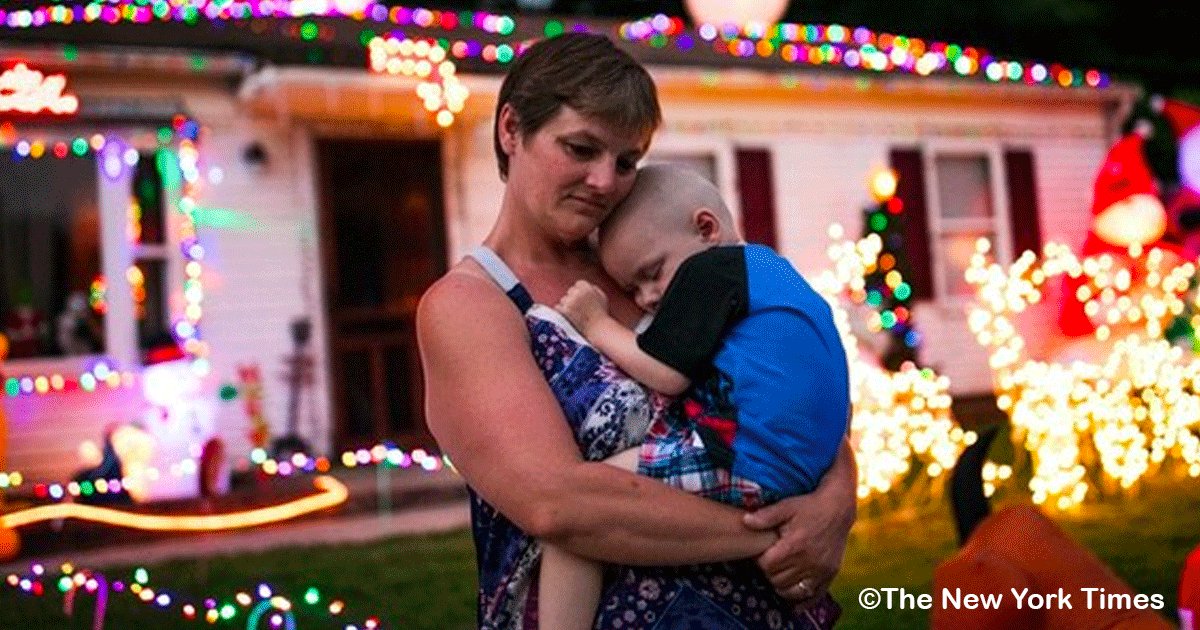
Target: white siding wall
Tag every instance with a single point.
(823, 153)
(259, 279)
(256, 281)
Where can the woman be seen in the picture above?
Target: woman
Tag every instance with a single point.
(574, 117)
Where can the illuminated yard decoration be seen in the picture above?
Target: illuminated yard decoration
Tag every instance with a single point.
(27, 91)
(1130, 409)
(331, 493)
(439, 88)
(254, 605)
(901, 419)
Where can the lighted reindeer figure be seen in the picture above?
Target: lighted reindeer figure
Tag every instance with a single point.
(1130, 407)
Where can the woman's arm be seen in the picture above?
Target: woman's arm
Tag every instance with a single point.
(813, 529)
(491, 411)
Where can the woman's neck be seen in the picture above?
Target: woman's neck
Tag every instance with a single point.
(523, 243)
(548, 267)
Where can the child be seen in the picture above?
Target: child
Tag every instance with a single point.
(758, 348)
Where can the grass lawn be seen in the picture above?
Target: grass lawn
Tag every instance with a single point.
(428, 582)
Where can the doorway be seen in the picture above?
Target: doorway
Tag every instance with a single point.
(383, 244)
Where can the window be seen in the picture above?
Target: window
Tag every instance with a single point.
(50, 255)
(147, 234)
(966, 212)
(954, 195)
(87, 260)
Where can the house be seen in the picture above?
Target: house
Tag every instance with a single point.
(237, 180)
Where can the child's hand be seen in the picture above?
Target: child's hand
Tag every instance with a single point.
(584, 305)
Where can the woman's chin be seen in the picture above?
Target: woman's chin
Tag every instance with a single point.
(578, 229)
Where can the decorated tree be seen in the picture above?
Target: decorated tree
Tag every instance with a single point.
(886, 291)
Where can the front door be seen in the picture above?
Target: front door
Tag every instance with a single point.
(383, 244)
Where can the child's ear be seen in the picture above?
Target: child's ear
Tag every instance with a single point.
(708, 226)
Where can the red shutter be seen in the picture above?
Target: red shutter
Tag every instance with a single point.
(1022, 203)
(756, 191)
(911, 190)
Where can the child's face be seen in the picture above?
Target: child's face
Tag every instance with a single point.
(643, 258)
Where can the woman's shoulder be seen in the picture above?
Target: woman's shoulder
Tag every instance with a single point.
(463, 299)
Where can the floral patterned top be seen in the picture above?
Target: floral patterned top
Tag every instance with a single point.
(609, 412)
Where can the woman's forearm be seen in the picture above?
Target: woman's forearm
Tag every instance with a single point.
(615, 516)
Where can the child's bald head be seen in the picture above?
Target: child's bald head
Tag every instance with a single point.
(665, 198)
(671, 214)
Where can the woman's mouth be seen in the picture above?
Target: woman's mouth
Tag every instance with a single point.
(593, 204)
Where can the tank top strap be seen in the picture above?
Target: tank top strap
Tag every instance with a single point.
(502, 276)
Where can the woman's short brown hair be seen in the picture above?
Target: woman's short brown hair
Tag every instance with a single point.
(583, 71)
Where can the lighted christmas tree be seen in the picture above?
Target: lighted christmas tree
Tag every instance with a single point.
(886, 290)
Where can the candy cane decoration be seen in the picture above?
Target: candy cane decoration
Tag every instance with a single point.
(92, 581)
(289, 620)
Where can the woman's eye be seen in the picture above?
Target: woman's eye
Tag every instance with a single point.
(626, 166)
(581, 151)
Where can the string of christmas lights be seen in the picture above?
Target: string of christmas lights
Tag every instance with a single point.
(900, 418)
(1129, 410)
(187, 328)
(331, 493)
(253, 605)
(384, 455)
(192, 12)
(858, 48)
(101, 374)
(439, 88)
(78, 146)
(810, 44)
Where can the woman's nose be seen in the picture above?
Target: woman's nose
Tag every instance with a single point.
(602, 176)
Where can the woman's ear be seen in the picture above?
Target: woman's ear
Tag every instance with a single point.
(708, 226)
(508, 129)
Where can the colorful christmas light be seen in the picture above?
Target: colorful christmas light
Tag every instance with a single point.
(332, 493)
(901, 418)
(27, 91)
(191, 13)
(859, 48)
(100, 375)
(253, 605)
(438, 88)
(809, 44)
(382, 455)
(38, 148)
(1124, 414)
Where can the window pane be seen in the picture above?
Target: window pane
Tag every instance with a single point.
(49, 256)
(149, 287)
(148, 191)
(964, 188)
(957, 249)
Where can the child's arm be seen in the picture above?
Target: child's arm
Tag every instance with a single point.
(586, 306)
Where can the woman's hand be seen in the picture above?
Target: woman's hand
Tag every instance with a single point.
(813, 530)
(584, 305)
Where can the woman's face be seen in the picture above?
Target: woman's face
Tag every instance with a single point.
(572, 172)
